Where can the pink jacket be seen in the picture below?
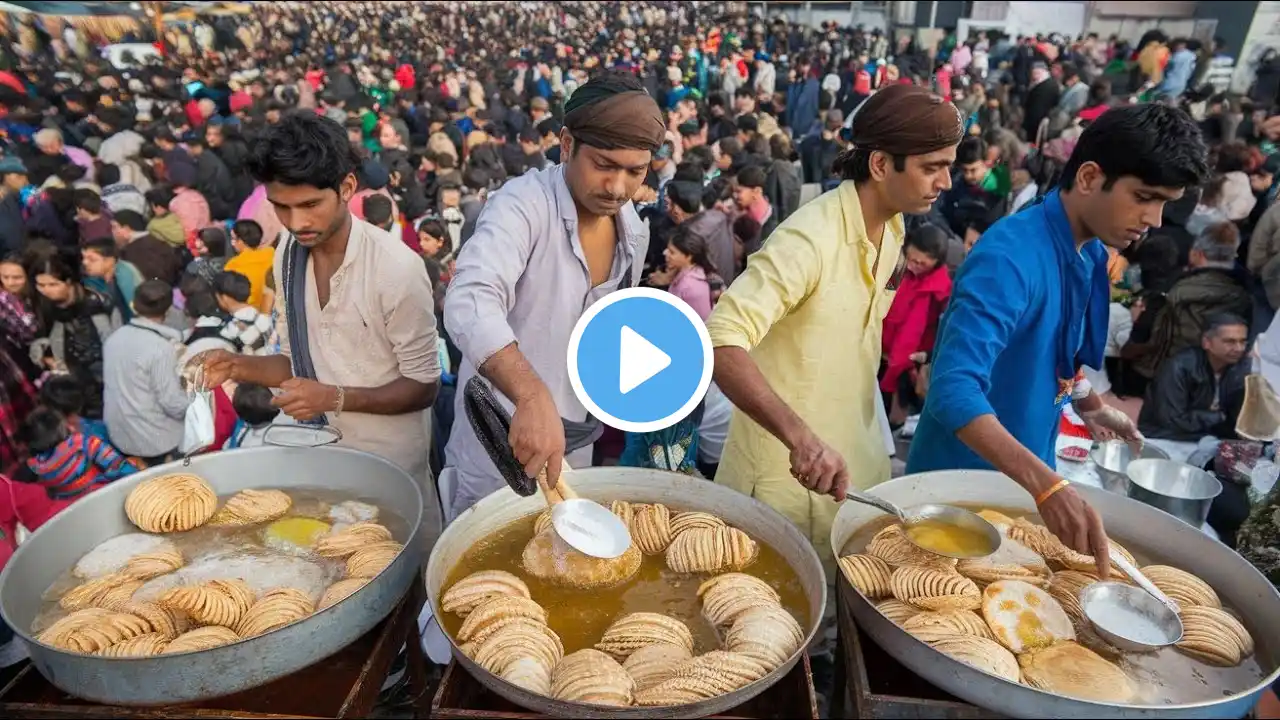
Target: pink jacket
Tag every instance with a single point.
(193, 211)
(691, 286)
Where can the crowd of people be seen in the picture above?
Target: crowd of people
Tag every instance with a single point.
(152, 218)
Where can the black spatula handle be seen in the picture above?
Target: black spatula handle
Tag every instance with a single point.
(492, 426)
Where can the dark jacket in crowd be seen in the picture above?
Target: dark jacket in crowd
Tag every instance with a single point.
(1185, 402)
(213, 180)
(1199, 295)
(818, 157)
(1041, 100)
(782, 188)
(716, 228)
(234, 152)
(964, 206)
(13, 226)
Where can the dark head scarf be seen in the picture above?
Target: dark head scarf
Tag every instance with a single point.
(613, 112)
(906, 120)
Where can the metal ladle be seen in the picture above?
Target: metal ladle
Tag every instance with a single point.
(948, 514)
(588, 527)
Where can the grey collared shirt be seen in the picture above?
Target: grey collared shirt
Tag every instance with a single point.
(522, 278)
(143, 403)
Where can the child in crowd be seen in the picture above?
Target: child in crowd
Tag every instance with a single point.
(256, 415)
(63, 394)
(69, 464)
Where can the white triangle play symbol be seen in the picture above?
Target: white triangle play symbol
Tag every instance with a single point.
(639, 361)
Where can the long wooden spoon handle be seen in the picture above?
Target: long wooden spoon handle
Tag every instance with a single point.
(557, 494)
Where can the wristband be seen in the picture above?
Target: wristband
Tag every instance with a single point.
(1042, 497)
(1081, 389)
(342, 397)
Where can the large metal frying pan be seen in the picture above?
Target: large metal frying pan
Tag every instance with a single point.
(248, 663)
(1139, 527)
(606, 484)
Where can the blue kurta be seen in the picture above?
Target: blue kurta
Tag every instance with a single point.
(1027, 310)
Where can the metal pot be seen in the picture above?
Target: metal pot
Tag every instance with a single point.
(1183, 491)
(606, 484)
(1143, 529)
(1112, 458)
(231, 668)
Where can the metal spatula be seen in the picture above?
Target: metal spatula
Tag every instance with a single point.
(588, 527)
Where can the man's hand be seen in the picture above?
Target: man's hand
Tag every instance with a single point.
(817, 466)
(219, 367)
(1109, 423)
(1078, 526)
(537, 436)
(304, 399)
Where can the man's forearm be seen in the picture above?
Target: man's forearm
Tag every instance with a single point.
(511, 373)
(740, 379)
(269, 370)
(993, 443)
(400, 396)
(1089, 403)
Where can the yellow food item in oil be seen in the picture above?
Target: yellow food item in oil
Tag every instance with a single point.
(948, 539)
(297, 531)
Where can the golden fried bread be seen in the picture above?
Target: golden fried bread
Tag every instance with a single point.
(1067, 668)
(250, 507)
(351, 539)
(931, 588)
(496, 609)
(1065, 586)
(869, 574)
(1214, 637)
(203, 638)
(1022, 617)
(372, 559)
(624, 510)
(275, 609)
(694, 520)
(706, 676)
(591, 676)
(477, 587)
(1182, 587)
(340, 591)
(171, 503)
(153, 564)
(725, 597)
(964, 622)
(514, 641)
(140, 646)
(651, 529)
(217, 602)
(897, 611)
(711, 550)
(986, 655)
(632, 632)
(770, 633)
(1011, 561)
(166, 622)
(528, 672)
(549, 558)
(109, 591)
(653, 664)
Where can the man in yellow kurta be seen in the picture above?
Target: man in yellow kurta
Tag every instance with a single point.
(797, 335)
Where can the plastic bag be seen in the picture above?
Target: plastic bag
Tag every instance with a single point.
(198, 429)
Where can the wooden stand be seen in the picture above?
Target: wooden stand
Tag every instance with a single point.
(344, 685)
(462, 697)
(871, 684)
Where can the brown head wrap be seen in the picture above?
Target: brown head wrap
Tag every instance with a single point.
(613, 112)
(906, 120)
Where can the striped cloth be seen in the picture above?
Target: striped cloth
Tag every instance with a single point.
(78, 464)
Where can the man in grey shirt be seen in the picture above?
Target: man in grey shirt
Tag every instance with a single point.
(144, 403)
(548, 245)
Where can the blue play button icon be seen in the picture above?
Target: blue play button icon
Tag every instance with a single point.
(640, 359)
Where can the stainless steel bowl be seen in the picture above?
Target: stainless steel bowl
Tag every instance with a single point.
(605, 484)
(1181, 490)
(1142, 529)
(192, 677)
(1129, 617)
(1112, 458)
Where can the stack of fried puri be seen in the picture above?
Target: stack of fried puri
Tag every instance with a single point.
(508, 636)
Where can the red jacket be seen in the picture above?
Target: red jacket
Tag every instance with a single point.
(912, 321)
(26, 504)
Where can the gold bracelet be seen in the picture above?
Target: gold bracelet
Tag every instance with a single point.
(342, 397)
(1040, 499)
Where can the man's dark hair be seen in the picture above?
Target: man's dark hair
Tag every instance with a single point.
(131, 219)
(215, 241)
(233, 285)
(303, 149)
(702, 155)
(160, 196)
(249, 232)
(108, 174)
(744, 91)
(550, 126)
(43, 429)
(685, 195)
(971, 150)
(1069, 70)
(252, 402)
(153, 299)
(378, 210)
(201, 303)
(1159, 145)
(434, 229)
(752, 176)
(64, 394)
(1217, 321)
(106, 247)
(730, 146)
(855, 164)
(88, 200)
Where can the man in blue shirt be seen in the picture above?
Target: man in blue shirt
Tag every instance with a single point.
(1030, 307)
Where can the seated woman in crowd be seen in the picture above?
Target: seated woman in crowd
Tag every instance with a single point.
(689, 273)
(912, 322)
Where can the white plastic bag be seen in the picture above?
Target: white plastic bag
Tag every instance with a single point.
(198, 430)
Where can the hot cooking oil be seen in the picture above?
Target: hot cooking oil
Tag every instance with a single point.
(580, 617)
